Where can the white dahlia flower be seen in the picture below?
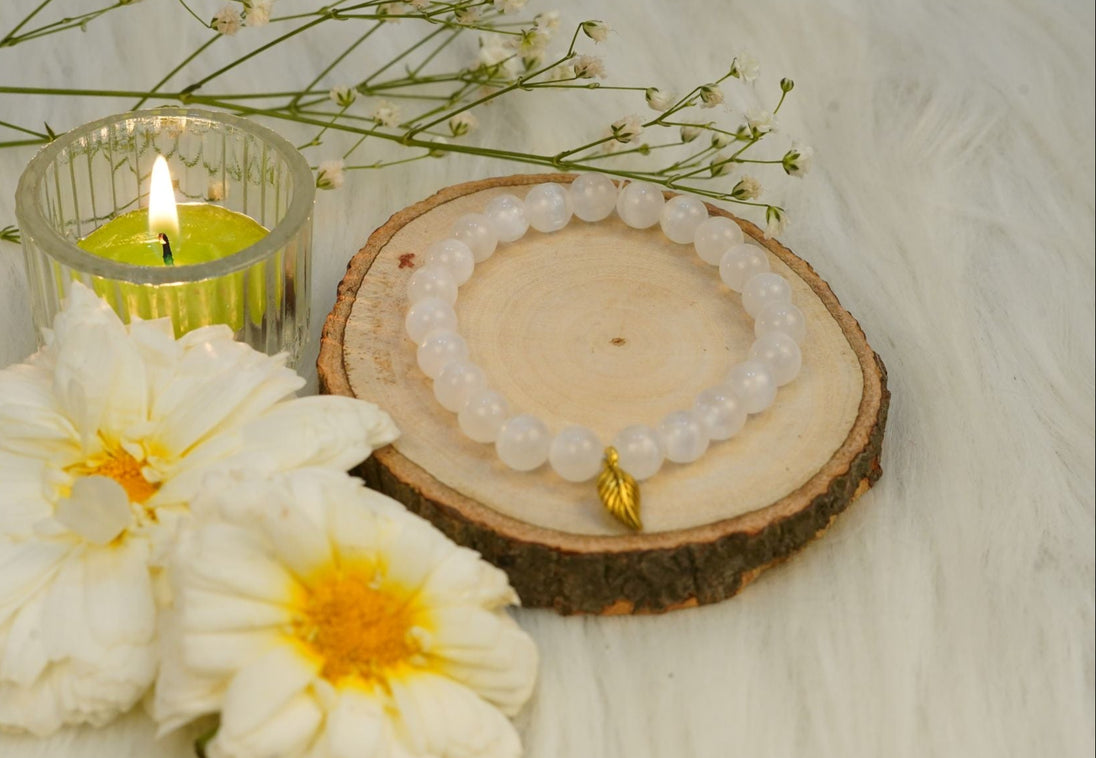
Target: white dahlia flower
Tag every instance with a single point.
(323, 620)
(106, 436)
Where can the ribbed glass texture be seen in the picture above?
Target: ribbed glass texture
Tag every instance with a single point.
(101, 170)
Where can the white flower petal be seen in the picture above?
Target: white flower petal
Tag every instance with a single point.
(98, 377)
(25, 500)
(463, 577)
(330, 431)
(217, 612)
(182, 693)
(229, 559)
(487, 652)
(120, 607)
(285, 734)
(218, 385)
(25, 567)
(358, 726)
(440, 717)
(263, 688)
(23, 654)
(97, 510)
(221, 653)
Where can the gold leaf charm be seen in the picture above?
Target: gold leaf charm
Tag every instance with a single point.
(619, 491)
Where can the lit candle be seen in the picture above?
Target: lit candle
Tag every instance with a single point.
(182, 234)
(197, 232)
(98, 205)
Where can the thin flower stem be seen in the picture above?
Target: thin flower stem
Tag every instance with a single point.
(445, 43)
(364, 83)
(380, 164)
(256, 51)
(156, 87)
(24, 130)
(517, 84)
(198, 18)
(642, 149)
(295, 102)
(10, 36)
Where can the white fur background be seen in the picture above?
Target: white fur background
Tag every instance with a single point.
(950, 612)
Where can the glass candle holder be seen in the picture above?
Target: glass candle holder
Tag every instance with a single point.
(101, 170)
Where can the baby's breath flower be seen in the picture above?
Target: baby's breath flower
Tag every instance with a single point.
(509, 6)
(775, 221)
(759, 121)
(343, 96)
(467, 15)
(462, 123)
(386, 114)
(227, 21)
(747, 189)
(530, 44)
(435, 153)
(391, 12)
(786, 85)
(562, 72)
(719, 165)
(598, 31)
(721, 140)
(493, 50)
(710, 95)
(589, 67)
(689, 132)
(626, 129)
(797, 161)
(215, 190)
(547, 20)
(257, 12)
(658, 99)
(745, 67)
(330, 175)
(419, 5)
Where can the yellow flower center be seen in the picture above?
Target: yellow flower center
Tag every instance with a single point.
(119, 465)
(356, 628)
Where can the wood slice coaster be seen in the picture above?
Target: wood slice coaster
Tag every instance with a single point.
(606, 326)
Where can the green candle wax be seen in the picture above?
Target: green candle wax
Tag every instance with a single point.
(206, 233)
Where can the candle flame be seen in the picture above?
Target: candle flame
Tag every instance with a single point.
(162, 216)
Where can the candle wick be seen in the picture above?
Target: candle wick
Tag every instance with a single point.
(169, 260)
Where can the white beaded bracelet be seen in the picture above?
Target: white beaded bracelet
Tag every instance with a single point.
(523, 442)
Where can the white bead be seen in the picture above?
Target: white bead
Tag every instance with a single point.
(639, 204)
(740, 263)
(779, 352)
(781, 317)
(721, 412)
(548, 207)
(682, 436)
(438, 349)
(575, 454)
(476, 231)
(454, 255)
(456, 382)
(752, 381)
(680, 218)
(765, 288)
(714, 236)
(640, 450)
(593, 196)
(432, 280)
(428, 315)
(522, 443)
(507, 216)
(483, 415)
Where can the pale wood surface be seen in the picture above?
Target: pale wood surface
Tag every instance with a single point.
(606, 325)
(602, 325)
